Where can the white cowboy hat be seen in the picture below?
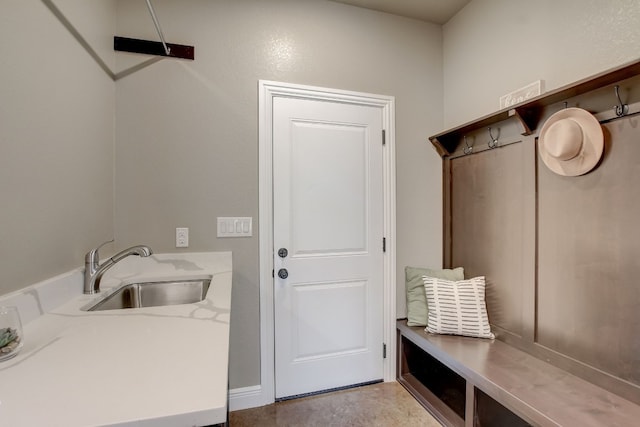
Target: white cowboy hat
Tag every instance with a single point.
(571, 142)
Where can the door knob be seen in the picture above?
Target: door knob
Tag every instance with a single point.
(283, 252)
(283, 273)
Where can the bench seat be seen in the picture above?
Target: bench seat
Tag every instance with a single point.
(477, 382)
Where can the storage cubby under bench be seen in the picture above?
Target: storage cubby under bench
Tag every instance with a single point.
(478, 382)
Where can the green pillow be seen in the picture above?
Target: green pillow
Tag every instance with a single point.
(416, 297)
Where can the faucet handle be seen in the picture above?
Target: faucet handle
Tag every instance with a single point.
(92, 256)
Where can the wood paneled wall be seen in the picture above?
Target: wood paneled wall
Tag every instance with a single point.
(561, 255)
(589, 258)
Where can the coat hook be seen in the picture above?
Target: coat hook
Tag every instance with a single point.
(493, 143)
(467, 149)
(621, 109)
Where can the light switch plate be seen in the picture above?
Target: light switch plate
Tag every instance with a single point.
(235, 226)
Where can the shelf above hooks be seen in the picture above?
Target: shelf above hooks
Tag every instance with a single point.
(446, 142)
(528, 113)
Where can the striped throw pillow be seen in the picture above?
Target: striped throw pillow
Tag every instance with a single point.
(457, 308)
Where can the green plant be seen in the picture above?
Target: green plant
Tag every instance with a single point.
(7, 336)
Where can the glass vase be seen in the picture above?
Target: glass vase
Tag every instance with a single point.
(11, 338)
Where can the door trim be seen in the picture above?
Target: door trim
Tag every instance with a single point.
(267, 90)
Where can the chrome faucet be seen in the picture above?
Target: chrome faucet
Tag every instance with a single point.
(93, 270)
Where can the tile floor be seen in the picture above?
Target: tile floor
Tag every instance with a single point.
(379, 405)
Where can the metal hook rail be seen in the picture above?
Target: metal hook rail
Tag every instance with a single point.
(493, 142)
(621, 109)
(468, 149)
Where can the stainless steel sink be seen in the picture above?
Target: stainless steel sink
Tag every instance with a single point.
(153, 294)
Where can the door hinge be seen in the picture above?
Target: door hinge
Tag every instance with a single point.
(384, 244)
(384, 137)
(384, 351)
(273, 273)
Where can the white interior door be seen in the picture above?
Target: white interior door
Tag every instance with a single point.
(328, 215)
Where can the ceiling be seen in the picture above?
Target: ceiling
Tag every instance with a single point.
(436, 11)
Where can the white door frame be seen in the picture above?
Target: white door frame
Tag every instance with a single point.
(267, 90)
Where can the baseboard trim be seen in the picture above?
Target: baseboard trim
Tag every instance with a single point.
(245, 398)
(252, 396)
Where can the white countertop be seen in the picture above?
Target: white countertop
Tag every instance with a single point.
(154, 366)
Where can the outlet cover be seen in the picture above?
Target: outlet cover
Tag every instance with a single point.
(182, 237)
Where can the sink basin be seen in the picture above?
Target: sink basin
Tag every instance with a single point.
(153, 294)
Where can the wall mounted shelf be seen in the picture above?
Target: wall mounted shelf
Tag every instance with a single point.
(148, 47)
(528, 113)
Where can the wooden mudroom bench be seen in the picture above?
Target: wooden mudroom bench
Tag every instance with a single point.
(478, 382)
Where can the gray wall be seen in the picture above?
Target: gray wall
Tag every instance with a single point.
(187, 132)
(186, 138)
(56, 144)
(493, 47)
